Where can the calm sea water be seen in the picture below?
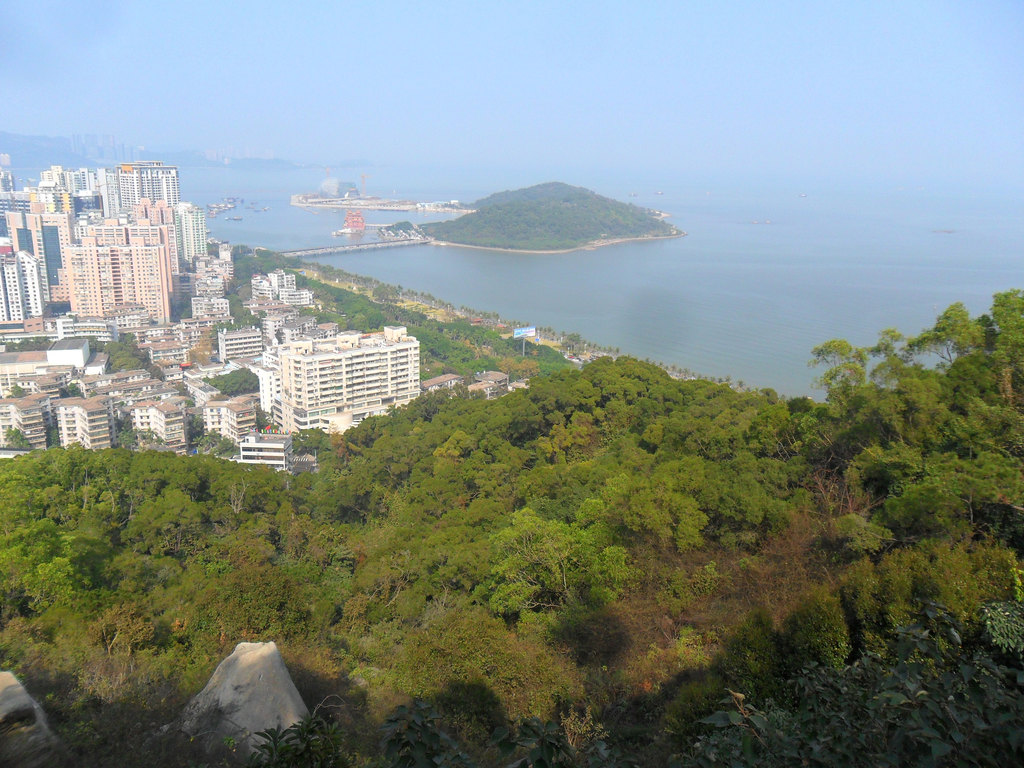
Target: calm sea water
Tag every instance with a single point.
(765, 274)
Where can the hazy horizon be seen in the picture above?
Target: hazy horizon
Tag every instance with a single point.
(926, 92)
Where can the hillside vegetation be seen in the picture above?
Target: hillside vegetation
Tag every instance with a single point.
(548, 217)
(612, 550)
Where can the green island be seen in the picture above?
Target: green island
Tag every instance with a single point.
(550, 217)
(613, 567)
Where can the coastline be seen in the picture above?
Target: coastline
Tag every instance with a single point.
(585, 247)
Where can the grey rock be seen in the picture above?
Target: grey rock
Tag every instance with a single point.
(250, 691)
(26, 741)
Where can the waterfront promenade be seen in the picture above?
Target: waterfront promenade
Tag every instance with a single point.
(337, 249)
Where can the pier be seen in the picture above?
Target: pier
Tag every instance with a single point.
(327, 249)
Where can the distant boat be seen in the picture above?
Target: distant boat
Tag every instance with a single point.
(802, 195)
(659, 193)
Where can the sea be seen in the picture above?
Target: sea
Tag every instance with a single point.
(766, 272)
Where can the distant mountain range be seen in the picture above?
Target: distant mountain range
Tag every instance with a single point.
(549, 217)
(43, 151)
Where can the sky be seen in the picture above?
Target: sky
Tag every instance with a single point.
(818, 89)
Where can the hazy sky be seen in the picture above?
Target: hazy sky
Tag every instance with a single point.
(860, 90)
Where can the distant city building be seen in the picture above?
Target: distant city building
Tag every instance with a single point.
(13, 202)
(147, 179)
(22, 277)
(6, 181)
(335, 383)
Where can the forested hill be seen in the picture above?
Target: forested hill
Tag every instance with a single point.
(612, 550)
(549, 217)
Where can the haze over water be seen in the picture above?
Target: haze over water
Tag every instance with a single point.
(734, 298)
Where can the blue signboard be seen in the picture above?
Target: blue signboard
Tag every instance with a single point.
(522, 333)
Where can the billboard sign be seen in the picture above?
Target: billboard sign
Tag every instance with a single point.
(522, 333)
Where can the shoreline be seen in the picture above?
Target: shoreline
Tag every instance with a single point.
(593, 245)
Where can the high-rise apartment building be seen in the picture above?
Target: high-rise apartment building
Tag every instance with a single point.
(22, 277)
(190, 223)
(335, 383)
(147, 179)
(47, 236)
(118, 264)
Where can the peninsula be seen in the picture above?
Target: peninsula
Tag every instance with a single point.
(550, 218)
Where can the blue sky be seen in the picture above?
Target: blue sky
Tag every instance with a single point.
(859, 91)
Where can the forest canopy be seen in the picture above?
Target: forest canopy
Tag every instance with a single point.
(612, 551)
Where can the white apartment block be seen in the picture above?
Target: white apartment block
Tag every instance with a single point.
(280, 286)
(86, 421)
(336, 383)
(205, 306)
(100, 329)
(165, 419)
(210, 285)
(22, 280)
(262, 288)
(190, 224)
(147, 179)
(233, 419)
(247, 342)
(296, 297)
(279, 280)
(268, 371)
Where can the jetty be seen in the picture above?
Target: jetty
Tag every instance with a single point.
(328, 249)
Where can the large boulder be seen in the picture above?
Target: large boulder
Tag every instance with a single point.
(250, 691)
(26, 741)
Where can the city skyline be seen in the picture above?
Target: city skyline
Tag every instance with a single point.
(923, 90)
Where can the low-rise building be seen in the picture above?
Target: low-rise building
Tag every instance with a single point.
(492, 383)
(445, 381)
(200, 391)
(232, 419)
(100, 329)
(301, 327)
(247, 342)
(165, 419)
(204, 306)
(296, 297)
(31, 415)
(171, 350)
(274, 450)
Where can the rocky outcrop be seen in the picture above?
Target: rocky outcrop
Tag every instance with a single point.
(250, 691)
(26, 741)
